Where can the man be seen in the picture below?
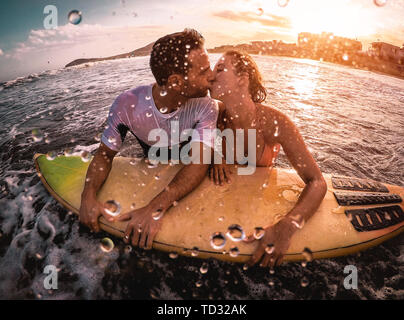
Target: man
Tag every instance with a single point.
(181, 68)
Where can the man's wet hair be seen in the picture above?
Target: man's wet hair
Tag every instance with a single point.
(170, 54)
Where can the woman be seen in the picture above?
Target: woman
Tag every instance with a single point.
(238, 84)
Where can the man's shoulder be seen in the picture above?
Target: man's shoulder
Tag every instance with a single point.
(131, 97)
(134, 92)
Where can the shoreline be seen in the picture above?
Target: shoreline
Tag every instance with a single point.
(356, 61)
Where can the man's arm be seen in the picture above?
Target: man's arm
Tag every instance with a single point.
(97, 173)
(186, 180)
(143, 225)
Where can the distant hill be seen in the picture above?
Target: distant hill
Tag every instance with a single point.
(145, 51)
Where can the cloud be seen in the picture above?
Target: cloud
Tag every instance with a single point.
(53, 49)
(102, 40)
(267, 19)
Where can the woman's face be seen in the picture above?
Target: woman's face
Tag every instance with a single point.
(225, 82)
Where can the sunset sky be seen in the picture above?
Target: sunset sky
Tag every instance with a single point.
(110, 27)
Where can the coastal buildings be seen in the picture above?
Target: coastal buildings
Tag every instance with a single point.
(324, 46)
(388, 52)
(327, 46)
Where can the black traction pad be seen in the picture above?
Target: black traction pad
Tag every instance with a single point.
(364, 198)
(356, 184)
(375, 218)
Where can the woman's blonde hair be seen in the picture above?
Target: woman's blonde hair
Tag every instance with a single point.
(243, 63)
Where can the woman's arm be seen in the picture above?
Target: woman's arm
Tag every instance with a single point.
(283, 131)
(307, 168)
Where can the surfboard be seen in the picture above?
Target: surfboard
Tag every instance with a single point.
(209, 222)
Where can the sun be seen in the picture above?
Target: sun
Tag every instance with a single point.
(343, 17)
(340, 20)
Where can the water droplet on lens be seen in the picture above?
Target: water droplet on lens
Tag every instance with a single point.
(152, 165)
(221, 218)
(245, 267)
(37, 135)
(345, 57)
(107, 245)
(304, 282)
(163, 110)
(260, 11)
(234, 252)
(163, 93)
(217, 241)
(298, 221)
(74, 17)
(51, 155)
(270, 248)
(380, 3)
(198, 284)
(85, 156)
(158, 214)
(127, 249)
(148, 114)
(283, 3)
(68, 152)
(204, 268)
(173, 255)
(195, 251)
(308, 254)
(147, 98)
(133, 162)
(112, 207)
(157, 177)
(259, 232)
(235, 233)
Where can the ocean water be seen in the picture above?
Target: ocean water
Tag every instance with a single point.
(352, 121)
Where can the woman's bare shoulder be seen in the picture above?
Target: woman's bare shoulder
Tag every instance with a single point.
(270, 113)
(274, 123)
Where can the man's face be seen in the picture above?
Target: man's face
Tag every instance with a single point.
(199, 77)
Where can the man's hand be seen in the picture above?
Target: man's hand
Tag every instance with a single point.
(220, 173)
(143, 225)
(90, 210)
(273, 245)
